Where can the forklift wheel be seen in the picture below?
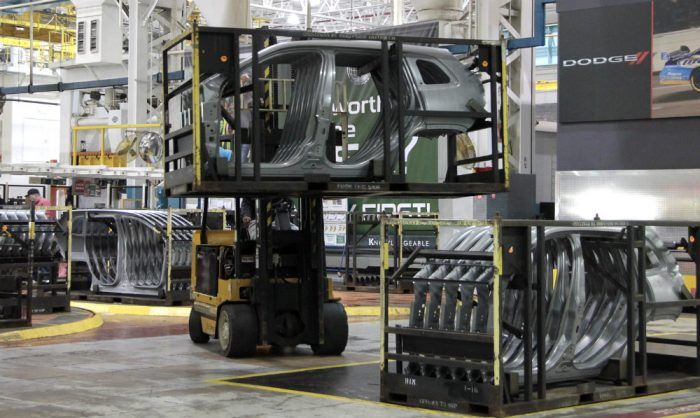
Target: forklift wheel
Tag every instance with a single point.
(196, 334)
(238, 330)
(335, 329)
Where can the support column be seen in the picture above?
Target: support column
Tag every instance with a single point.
(516, 17)
(138, 61)
(397, 7)
(6, 133)
(139, 91)
(65, 99)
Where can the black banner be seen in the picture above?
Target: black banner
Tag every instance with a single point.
(605, 63)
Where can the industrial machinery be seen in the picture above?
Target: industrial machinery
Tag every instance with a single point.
(506, 306)
(267, 284)
(132, 254)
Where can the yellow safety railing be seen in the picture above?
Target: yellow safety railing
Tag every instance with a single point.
(103, 134)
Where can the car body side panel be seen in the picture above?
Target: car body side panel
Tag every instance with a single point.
(302, 150)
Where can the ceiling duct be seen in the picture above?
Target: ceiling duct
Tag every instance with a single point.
(445, 10)
(229, 14)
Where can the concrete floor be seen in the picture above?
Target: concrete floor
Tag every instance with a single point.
(134, 373)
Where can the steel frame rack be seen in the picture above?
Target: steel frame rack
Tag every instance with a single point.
(31, 294)
(16, 293)
(176, 291)
(354, 278)
(505, 395)
(218, 50)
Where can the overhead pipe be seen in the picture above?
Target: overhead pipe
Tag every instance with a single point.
(449, 10)
(83, 85)
(31, 4)
(43, 88)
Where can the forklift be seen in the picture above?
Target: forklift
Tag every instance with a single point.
(266, 284)
(269, 287)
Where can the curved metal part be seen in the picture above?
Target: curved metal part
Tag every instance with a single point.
(13, 242)
(585, 302)
(304, 138)
(126, 251)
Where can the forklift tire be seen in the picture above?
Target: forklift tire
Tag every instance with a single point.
(196, 334)
(335, 330)
(238, 330)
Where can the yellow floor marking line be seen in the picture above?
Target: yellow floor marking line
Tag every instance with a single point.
(83, 325)
(226, 381)
(184, 311)
(611, 402)
(374, 311)
(683, 415)
(117, 309)
(663, 334)
(301, 370)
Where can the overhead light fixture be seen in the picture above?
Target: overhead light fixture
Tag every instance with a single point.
(293, 19)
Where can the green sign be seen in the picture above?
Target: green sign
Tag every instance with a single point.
(357, 109)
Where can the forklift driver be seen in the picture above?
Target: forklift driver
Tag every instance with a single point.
(283, 208)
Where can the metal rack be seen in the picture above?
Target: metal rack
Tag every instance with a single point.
(518, 263)
(175, 288)
(366, 279)
(15, 298)
(218, 51)
(34, 282)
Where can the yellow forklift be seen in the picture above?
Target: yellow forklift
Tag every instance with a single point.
(268, 289)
